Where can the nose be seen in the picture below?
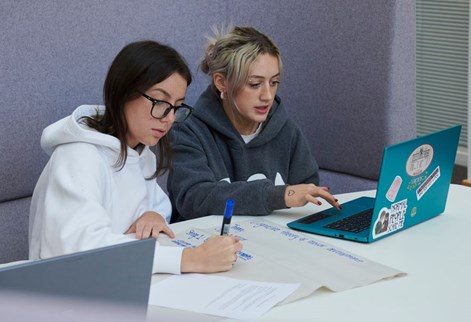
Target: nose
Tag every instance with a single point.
(170, 117)
(266, 94)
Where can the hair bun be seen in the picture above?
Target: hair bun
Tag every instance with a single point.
(207, 59)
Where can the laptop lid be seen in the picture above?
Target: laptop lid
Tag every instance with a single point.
(414, 181)
(413, 187)
(115, 274)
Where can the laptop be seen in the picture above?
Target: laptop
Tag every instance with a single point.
(118, 274)
(413, 187)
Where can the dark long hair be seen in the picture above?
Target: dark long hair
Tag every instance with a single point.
(136, 68)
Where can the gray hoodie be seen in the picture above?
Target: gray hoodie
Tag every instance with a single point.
(212, 163)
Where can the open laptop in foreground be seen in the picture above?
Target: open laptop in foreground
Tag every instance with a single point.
(413, 187)
(117, 276)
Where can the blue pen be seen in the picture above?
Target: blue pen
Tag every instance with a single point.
(226, 220)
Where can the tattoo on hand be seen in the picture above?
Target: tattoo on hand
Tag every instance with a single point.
(290, 192)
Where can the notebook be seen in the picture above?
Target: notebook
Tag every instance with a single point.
(413, 187)
(119, 274)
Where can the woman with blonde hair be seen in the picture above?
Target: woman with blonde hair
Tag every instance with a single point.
(240, 142)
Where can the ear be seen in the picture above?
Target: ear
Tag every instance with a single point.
(220, 82)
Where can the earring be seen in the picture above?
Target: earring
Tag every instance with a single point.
(223, 96)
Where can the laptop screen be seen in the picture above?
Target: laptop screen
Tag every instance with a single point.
(118, 274)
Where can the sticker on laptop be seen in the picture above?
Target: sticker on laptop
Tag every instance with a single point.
(428, 183)
(390, 219)
(381, 224)
(419, 160)
(413, 212)
(394, 188)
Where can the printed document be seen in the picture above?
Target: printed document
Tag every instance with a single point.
(217, 295)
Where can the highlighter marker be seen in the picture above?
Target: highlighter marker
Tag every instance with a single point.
(226, 220)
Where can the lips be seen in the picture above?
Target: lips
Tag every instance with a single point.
(159, 132)
(262, 109)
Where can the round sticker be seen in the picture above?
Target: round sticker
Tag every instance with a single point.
(419, 160)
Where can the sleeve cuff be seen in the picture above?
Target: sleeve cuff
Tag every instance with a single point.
(167, 259)
(276, 198)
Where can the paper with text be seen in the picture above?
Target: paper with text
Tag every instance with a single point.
(217, 295)
(273, 253)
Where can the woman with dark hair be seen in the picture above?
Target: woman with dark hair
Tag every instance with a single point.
(99, 186)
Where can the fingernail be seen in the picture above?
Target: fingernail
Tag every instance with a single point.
(319, 203)
(336, 199)
(340, 207)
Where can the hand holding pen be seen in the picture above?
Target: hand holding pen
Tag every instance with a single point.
(218, 253)
(226, 220)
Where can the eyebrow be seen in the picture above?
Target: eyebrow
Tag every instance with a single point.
(167, 95)
(262, 77)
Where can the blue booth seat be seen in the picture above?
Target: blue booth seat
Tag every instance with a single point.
(349, 77)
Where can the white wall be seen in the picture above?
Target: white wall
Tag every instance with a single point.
(469, 109)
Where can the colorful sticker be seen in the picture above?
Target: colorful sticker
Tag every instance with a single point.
(419, 160)
(394, 188)
(390, 220)
(398, 213)
(382, 223)
(417, 181)
(413, 212)
(428, 183)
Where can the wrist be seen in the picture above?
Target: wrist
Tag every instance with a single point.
(190, 262)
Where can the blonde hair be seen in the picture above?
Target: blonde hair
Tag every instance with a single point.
(233, 53)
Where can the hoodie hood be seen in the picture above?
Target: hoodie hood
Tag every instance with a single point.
(71, 130)
(208, 109)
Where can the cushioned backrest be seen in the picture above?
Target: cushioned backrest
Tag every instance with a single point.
(14, 230)
(348, 71)
(355, 72)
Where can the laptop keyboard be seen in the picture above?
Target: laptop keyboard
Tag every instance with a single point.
(355, 223)
(313, 218)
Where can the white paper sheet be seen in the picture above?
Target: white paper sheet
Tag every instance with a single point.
(273, 253)
(217, 295)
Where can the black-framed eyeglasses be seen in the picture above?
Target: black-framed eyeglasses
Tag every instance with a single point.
(160, 109)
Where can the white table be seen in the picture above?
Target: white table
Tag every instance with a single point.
(436, 255)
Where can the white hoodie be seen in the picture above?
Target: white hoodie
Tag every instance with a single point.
(82, 201)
